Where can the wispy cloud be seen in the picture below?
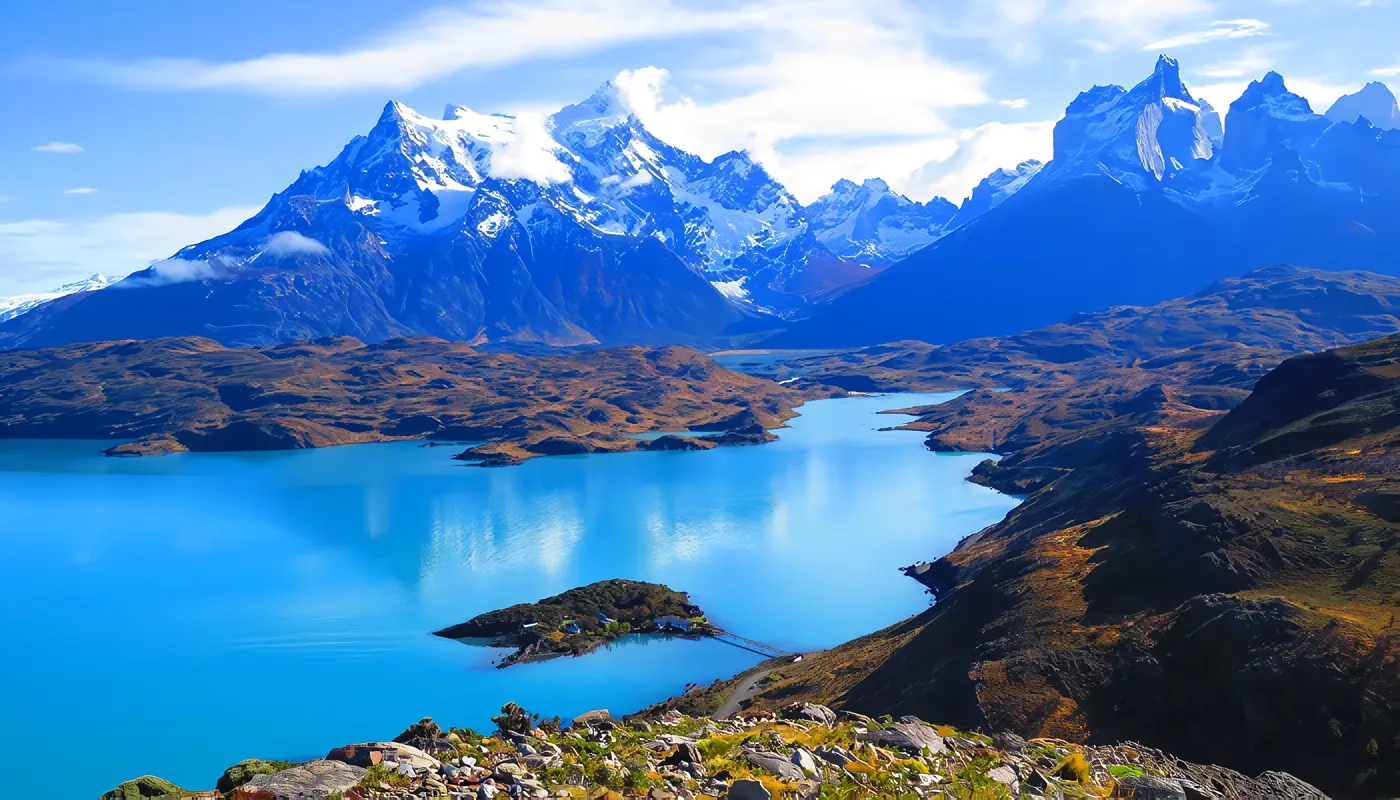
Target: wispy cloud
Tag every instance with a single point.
(171, 270)
(1386, 72)
(1019, 102)
(80, 190)
(1222, 29)
(288, 243)
(38, 254)
(59, 147)
(434, 45)
(1251, 62)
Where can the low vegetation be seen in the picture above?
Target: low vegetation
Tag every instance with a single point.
(582, 619)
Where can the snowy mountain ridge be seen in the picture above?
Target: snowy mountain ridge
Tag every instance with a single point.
(11, 307)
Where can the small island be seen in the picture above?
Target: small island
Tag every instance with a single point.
(583, 619)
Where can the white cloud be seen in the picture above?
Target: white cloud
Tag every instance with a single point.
(1019, 102)
(828, 78)
(1222, 29)
(59, 147)
(171, 270)
(530, 153)
(434, 45)
(288, 243)
(1252, 63)
(979, 151)
(1219, 94)
(1386, 72)
(1119, 22)
(80, 190)
(37, 255)
(809, 175)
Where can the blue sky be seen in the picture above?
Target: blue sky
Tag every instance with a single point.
(131, 129)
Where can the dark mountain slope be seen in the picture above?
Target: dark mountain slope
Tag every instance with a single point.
(1223, 585)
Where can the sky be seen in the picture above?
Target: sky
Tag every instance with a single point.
(132, 129)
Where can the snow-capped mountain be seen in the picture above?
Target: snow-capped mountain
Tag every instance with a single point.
(573, 228)
(871, 223)
(994, 190)
(1374, 101)
(1139, 136)
(1145, 198)
(11, 307)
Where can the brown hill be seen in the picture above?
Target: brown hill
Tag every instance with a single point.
(1222, 585)
(190, 393)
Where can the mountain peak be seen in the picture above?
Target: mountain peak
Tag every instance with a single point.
(1374, 102)
(1272, 83)
(605, 108)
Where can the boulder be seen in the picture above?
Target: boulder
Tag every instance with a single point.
(599, 718)
(911, 737)
(747, 789)
(368, 754)
(145, 787)
(244, 771)
(805, 761)
(835, 755)
(427, 736)
(1006, 775)
(811, 712)
(320, 778)
(686, 753)
(774, 764)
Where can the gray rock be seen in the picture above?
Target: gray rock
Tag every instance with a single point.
(319, 778)
(1006, 775)
(775, 764)
(805, 761)
(748, 790)
(1151, 788)
(599, 718)
(835, 755)
(686, 753)
(911, 737)
(811, 712)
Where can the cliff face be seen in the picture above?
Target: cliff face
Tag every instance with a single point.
(1221, 586)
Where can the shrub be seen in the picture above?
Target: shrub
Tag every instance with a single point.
(1074, 768)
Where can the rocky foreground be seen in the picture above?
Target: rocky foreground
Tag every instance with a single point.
(802, 751)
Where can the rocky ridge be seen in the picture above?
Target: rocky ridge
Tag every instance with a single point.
(802, 751)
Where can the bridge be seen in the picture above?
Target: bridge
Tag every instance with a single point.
(735, 640)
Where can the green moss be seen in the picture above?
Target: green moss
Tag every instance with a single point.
(1126, 771)
(146, 787)
(244, 771)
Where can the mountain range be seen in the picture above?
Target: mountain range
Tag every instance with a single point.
(584, 227)
(11, 307)
(1147, 196)
(579, 228)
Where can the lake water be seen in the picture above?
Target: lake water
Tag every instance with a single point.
(175, 615)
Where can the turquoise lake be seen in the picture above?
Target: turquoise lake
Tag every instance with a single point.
(175, 615)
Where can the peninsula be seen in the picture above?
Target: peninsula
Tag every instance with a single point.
(194, 394)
